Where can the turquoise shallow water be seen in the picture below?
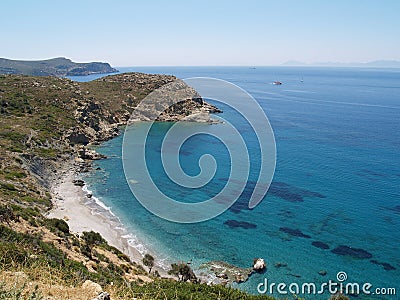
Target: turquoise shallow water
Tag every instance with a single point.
(337, 179)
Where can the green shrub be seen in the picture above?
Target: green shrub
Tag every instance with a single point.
(15, 149)
(13, 175)
(46, 152)
(7, 186)
(56, 226)
(184, 272)
(148, 261)
(92, 238)
(7, 214)
(170, 289)
(12, 255)
(124, 257)
(13, 136)
(17, 293)
(86, 250)
(27, 213)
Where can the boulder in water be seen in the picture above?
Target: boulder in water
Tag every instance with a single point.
(259, 265)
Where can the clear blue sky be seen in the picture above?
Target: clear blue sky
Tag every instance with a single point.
(203, 32)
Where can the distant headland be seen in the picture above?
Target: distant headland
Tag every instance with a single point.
(370, 64)
(59, 66)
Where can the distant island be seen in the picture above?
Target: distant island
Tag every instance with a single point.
(371, 64)
(59, 66)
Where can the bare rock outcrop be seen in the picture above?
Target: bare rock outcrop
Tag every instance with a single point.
(259, 265)
(165, 98)
(103, 296)
(174, 102)
(227, 272)
(92, 287)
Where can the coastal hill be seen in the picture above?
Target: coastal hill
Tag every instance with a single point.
(46, 124)
(59, 66)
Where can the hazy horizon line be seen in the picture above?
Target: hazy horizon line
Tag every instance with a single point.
(377, 63)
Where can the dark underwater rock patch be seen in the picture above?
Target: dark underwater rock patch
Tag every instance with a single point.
(279, 189)
(386, 266)
(185, 153)
(239, 205)
(395, 209)
(286, 214)
(280, 265)
(294, 232)
(282, 190)
(242, 203)
(353, 252)
(294, 275)
(373, 173)
(291, 193)
(242, 224)
(320, 245)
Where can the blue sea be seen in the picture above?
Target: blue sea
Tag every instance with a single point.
(336, 188)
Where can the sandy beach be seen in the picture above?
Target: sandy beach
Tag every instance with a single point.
(70, 205)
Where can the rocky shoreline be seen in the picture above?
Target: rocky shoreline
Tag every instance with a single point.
(101, 122)
(226, 273)
(95, 111)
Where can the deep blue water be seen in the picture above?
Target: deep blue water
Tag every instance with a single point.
(337, 179)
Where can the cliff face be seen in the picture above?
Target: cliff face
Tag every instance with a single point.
(107, 103)
(53, 67)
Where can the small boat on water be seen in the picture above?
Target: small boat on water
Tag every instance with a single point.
(277, 83)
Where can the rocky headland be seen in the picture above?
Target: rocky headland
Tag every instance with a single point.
(59, 66)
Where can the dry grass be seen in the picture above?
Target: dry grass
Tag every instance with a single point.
(42, 276)
(46, 281)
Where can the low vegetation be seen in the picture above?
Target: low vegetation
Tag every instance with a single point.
(148, 261)
(44, 263)
(183, 272)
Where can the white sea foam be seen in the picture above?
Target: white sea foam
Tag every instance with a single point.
(98, 207)
(96, 200)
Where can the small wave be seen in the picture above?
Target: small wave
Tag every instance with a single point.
(98, 207)
(137, 245)
(96, 200)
